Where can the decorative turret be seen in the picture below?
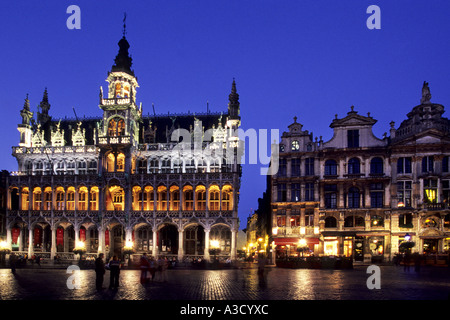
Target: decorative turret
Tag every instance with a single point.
(233, 105)
(121, 115)
(26, 112)
(25, 127)
(44, 106)
(422, 119)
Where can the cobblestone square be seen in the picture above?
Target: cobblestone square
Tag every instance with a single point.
(234, 284)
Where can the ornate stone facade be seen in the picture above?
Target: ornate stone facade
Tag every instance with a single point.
(125, 177)
(359, 195)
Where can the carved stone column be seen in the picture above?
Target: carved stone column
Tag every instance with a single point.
(206, 253)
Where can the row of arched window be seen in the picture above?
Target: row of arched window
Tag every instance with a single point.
(148, 198)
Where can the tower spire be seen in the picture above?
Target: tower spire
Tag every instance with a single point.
(233, 105)
(123, 61)
(124, 24)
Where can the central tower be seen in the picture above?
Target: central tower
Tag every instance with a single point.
(118, 131)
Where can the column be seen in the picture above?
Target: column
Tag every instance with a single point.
(21, 239)
(101, 240)
(155, 245)
(77, 235)
(180, 244)
(30, 242)
(53, 247)
(128, 234)
(155, 199)
(233, 245)
(206, 253)
(9, 237)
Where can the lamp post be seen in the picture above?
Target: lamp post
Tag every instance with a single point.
(214, 248)
(79, 249)
(4, 250)
(128, 249)
(302, 246)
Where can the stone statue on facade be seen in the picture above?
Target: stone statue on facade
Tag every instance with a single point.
(426, 95)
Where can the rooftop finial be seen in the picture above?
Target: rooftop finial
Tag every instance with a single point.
(124, 23)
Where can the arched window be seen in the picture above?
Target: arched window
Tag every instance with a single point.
(137, 198)
(93, 198)
(60, 194)
(149, 198)
(214, 198)
(376, 166)
(37, 198)
(115, 198)
(112, 128)
(200, 194)
(116, 127)
(174, 198)
(220, 237)
(330, 167)
(162, 198)
(353, 197)
(354, 166)
(227, 198)
(120, 162)
(121, 127)
(25, 198)
(188, 195)
(48, 198)
(70, 198)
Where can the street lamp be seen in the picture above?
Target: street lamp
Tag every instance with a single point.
(214, 248)
(128, 249)
(302, 247)
(80, 248)
(4, 250)
(407, 237)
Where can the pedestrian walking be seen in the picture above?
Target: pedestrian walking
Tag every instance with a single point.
(99, 271)
(262, 261)
(165, 266)
(114, 271)
(152, 267)
(144, 265)
(38, 260)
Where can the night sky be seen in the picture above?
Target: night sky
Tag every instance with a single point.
(310, 59)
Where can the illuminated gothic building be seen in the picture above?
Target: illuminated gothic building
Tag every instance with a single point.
(123, 179)
(362, 196)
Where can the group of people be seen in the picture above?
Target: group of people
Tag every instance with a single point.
(154, 270)
(151, 270)
(114, 266)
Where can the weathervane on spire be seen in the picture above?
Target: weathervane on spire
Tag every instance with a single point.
(124, 24)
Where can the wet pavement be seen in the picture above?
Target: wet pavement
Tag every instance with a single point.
(430, 283)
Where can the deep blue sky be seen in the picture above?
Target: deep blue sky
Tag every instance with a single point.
(310, 59)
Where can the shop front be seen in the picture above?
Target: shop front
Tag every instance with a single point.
(362, 247)
(295, 247)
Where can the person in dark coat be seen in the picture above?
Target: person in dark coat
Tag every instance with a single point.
(99, 271)
(114, 268)
(145, 265)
